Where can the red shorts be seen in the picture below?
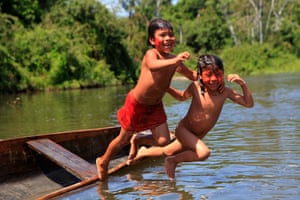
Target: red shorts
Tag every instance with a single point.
(134, 116)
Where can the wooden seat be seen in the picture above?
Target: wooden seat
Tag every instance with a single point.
(64, 158)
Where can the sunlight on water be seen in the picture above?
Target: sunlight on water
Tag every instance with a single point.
(255, 153)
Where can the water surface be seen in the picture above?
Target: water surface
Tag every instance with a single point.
(255, 153)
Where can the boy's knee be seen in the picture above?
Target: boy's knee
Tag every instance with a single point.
(206, 154)
(202, 151)
(167, 153)
(163, 141)
(203, 154)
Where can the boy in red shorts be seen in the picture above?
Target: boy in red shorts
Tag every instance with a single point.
(143, 108)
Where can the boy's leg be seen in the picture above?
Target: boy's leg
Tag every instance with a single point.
(134, 146)
(192, 142)
(160, 136)
(172, 161)
(154, 151)
(198, 151)
(170, 167)
(113, 148)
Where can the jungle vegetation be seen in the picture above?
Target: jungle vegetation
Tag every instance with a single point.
(65, 44)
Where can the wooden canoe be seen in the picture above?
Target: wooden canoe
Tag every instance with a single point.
(34, 166)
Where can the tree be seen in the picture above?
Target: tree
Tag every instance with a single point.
(77, 44)
(208, 31)
(258, 8)
(224, 6)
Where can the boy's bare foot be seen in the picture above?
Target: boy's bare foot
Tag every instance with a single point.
(101, 169)
(170, 166)
(139, 156)
(133, 149)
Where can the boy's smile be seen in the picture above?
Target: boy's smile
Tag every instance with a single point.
(212, 80)
(164, 40)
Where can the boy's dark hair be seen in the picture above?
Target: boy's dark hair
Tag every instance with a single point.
(157, 24)
(208, 60)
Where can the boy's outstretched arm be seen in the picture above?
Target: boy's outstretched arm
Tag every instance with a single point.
(180, 95)
(246, 99)
(188, 73)
(154, 63)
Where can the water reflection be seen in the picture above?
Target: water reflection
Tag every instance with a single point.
(59, 111)
(144, 183)
(144, 189)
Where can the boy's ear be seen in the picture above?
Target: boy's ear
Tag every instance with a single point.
(151, 41)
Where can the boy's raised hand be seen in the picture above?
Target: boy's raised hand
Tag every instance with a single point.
(235, 78)
(183, 56)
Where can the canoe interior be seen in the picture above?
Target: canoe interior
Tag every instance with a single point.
(74, 164)
(26, 173)
(18, 158)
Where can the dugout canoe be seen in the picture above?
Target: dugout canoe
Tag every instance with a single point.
(36, 165)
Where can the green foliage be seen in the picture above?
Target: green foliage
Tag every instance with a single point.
(187, 9)
(206, 32)
(192, 62)
(202, 24)
(9, 25)
(77, 44)
(12, 77)
(135, 41)
(288, 38)
(27, 11)
(257, 59)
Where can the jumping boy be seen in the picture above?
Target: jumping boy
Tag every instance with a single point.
(208, 97)
(143, 108)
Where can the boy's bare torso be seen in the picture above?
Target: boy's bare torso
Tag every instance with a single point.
(204, 111)
(153, 84)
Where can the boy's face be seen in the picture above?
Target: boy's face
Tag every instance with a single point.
(163, 41)
(212, 79)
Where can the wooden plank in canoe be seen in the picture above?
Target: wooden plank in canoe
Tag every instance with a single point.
(121, 163)
(64, 158)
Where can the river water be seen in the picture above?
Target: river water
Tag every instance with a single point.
(255, 153)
